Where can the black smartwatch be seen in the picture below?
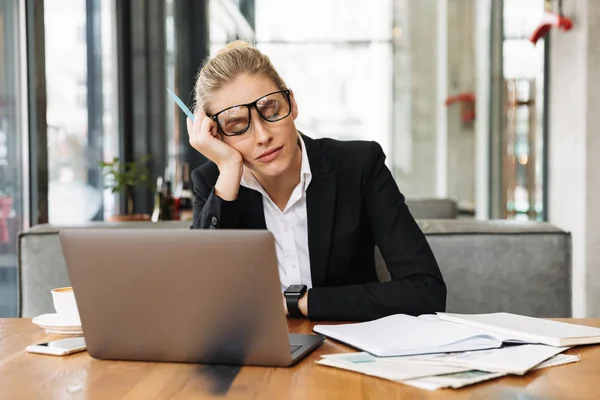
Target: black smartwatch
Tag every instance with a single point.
(293, 294)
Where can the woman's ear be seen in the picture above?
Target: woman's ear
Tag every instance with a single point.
(293, 104)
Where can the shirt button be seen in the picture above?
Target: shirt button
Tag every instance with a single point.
(214, 220)
(211, 227)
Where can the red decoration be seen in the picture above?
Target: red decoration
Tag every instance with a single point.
(550, 20)
(467, 105)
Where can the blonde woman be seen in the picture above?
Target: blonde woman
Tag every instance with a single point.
(326, 202)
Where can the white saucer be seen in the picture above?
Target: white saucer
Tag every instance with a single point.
(54, 323)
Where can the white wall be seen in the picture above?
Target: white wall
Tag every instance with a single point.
(574, 152)
(434, 152)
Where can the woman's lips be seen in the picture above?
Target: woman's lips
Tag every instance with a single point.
(270, 155)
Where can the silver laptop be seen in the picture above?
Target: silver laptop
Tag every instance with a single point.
(198, 296)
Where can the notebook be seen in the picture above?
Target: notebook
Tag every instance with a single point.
(506, 339)
(403, 335)
(552, 333)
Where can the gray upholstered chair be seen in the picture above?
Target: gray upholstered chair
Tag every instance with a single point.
(488, 266)
(433, 208)
(493, 266)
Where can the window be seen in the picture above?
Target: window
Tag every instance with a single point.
(523, 67)
(81, 108)
(13, 134)
(335, 55)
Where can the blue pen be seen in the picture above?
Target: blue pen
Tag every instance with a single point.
(181, 105)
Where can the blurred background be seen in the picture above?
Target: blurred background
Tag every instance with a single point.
(454, 91)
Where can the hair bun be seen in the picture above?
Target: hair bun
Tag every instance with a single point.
(236, 58)
(236, 44)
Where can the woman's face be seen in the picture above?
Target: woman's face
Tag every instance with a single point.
(268, 148)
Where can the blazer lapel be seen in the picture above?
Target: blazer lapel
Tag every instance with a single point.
(252, 206)
(320, 209)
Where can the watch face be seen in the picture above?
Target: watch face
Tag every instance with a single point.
(295, 289)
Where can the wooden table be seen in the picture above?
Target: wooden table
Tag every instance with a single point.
(33, 376)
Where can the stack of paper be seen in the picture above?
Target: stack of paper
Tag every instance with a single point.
(427, 376)
(461, 379)
(510, 360)
(403, 335)
(454, 350)
(399, 371)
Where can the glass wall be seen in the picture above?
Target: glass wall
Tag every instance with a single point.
(335, 55)
(338, 62)
(81, 108)
(376, 71)
(523, 141)
(81, 114)
(13, 134)
(395, 72)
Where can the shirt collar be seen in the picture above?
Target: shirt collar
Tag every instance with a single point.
(305, 172)
(250, 181)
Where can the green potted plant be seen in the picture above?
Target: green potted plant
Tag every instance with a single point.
(123, 177)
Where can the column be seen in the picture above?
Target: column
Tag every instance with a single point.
(574, 147)
(192, 47)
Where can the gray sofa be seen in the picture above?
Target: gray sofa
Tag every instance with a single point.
(489, 266)
(433, 208)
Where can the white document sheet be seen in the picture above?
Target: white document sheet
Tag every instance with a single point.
(401, 335)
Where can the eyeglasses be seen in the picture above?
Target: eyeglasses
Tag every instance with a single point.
(272, 107)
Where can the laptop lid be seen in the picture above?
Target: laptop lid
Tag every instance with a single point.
(205, 296)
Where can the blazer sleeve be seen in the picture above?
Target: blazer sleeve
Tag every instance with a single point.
(416, 285)
(209, 210)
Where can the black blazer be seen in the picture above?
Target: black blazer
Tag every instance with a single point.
(353, 204)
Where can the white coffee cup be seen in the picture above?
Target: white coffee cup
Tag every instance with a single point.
(64, 303)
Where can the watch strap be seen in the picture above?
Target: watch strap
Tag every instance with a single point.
(292, 300)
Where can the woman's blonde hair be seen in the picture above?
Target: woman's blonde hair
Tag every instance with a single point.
(238, 57)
